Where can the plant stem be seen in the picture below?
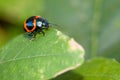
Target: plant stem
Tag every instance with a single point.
(95, 27)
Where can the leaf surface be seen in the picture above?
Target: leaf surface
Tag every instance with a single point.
(39, 59)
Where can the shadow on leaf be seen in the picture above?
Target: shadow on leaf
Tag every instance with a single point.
(70, 75)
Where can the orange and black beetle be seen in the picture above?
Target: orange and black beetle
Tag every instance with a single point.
(35, 24)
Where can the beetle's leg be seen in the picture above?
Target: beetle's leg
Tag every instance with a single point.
(40, 30)
(34, 34)
(45, 28)
(43, 33)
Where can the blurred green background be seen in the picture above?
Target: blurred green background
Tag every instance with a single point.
(95, 24)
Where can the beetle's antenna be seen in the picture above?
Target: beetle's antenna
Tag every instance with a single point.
(54, 24)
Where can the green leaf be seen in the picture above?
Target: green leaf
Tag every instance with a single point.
(42, 58)
(100, 69)
(94, 69)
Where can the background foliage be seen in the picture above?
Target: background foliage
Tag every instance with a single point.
(93, 23)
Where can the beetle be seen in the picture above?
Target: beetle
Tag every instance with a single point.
(35, 24)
